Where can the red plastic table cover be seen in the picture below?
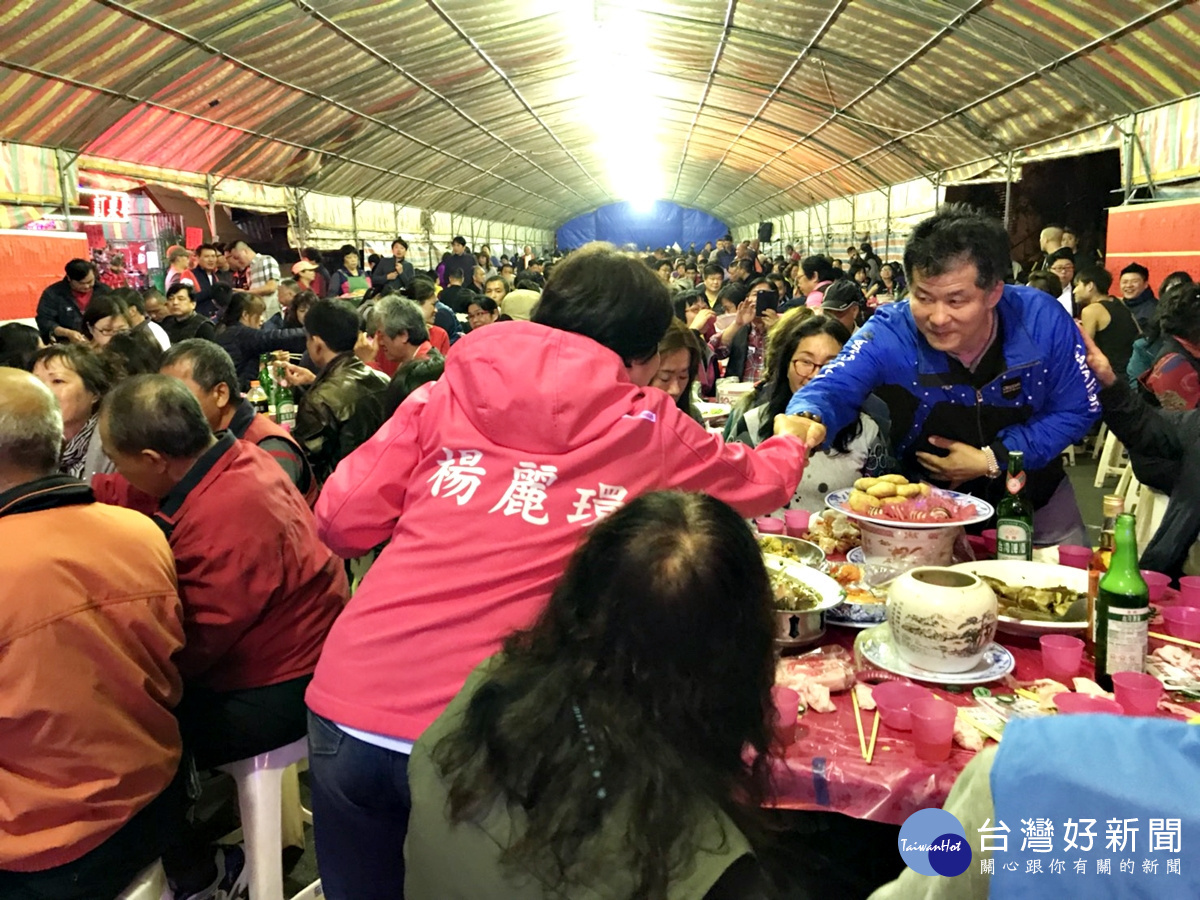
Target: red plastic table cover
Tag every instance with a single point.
(824, 769)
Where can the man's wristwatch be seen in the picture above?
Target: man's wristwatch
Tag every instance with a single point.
(993, 467)
(810, 415)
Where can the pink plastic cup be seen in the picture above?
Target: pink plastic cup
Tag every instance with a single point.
(1069, 703)
(796, 522)
(1074, 556)
(769, 525)
(893, 698)
(933, 728)
(1189, 590)
(989, 541)
(1157, 582)
(1137, 692)
(1061, 655)
(1183, 622)
(787, 711)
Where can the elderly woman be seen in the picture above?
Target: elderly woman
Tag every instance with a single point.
(536, 430)
(350, 280)
(604, 750)
(79, 378)
(799, 347)
(184, 322)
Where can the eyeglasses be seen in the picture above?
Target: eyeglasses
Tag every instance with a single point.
(805, 366)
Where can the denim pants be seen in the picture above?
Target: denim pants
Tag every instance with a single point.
(360, 813)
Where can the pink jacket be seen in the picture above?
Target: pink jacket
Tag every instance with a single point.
(484, 482)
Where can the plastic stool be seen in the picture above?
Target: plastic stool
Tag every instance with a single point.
(150, 884)
(259, 786)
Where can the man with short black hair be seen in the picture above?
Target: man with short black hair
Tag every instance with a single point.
(725, 254)
(1106, 321)
(455, 295)
(460, 260)
(344, 406)
(260, 591)
(90, 748)
(1137, 293)
(60, 308)
(394, 269)
(1062, 263)
(970, 368)
(208, 371)
(139, 321)
(206, 274)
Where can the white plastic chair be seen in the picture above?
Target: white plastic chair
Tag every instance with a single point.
(1110, 460)
(260, 789)
(1100, 436)
(150, 884)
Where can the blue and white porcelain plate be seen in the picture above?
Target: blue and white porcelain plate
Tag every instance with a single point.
(840, 500)
(878, 647)
(863, 615)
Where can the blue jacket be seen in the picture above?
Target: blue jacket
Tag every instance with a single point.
(1040, 396)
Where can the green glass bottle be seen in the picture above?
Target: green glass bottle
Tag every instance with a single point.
(1014, 515)
(268, 384)
(1122, 609)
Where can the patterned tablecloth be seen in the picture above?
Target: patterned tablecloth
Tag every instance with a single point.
(824, 769)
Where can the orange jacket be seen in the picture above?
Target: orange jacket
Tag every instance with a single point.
(89, 620)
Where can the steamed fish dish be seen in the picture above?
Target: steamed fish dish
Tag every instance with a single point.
(791, 594)
(1025, 602)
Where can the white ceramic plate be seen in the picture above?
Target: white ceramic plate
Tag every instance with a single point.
(713, 411)
(806, 552)
(830, 591)
(1036, 574)
(839, 500)
(877, 646)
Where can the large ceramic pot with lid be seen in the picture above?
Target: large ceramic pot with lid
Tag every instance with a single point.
(942, 619)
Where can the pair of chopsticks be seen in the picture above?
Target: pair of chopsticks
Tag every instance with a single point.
(1171, 639)
(868, 752)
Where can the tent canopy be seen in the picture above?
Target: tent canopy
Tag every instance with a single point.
(535, 112)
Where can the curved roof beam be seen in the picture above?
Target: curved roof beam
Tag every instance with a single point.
(708, 83)
(1039, 72)
(821, 31)
(500, 73)
(142, 101)
(204, 45)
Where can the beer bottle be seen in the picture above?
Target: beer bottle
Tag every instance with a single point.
(285, 403)
(1014, 515)
(267, 382)
(258, 398)
(1114, 505)
(1122, 609)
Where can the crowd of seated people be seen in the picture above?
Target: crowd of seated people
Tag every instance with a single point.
(462, 712)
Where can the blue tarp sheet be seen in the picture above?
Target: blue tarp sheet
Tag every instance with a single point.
(620, 224)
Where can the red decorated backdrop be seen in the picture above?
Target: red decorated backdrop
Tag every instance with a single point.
(31, 260)
(1163, 237)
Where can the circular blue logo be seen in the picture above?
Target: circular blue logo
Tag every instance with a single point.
(933, 842)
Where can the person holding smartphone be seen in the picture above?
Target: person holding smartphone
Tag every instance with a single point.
(744, 340)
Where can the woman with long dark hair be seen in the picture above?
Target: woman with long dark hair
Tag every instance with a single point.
(797, 349)
(536, 431)
(603, 751)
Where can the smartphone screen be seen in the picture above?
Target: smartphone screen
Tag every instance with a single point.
(764, 301)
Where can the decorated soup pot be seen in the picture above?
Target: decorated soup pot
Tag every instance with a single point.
(942, 619)
(902, 547)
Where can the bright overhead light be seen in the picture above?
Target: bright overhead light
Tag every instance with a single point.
(614, 78)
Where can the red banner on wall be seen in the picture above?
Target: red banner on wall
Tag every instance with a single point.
(1163, 237)
(31, 261)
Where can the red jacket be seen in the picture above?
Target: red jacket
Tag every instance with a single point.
(484, 482)
(259, 589)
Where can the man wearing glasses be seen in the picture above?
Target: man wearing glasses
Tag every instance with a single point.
(61, 307)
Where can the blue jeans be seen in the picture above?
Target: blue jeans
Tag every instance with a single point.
(360, 813)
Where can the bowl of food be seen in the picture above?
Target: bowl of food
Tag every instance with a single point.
(866, 593)
(1034, 598)
(791, 549)
(801, 596)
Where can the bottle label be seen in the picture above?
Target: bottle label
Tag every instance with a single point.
(1015, 483)
(1014, 539)
(1126, 639)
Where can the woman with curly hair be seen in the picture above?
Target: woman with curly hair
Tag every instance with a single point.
(603, 751)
